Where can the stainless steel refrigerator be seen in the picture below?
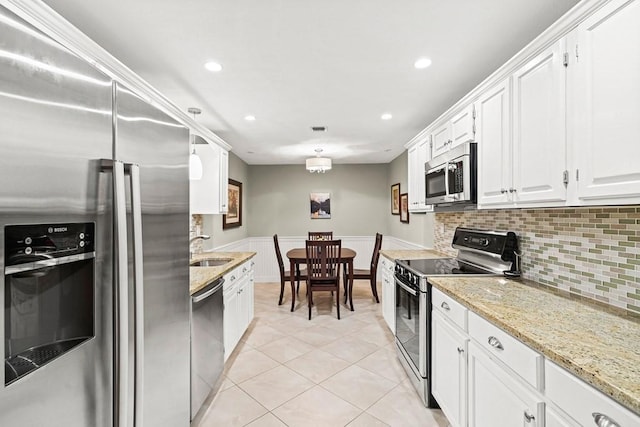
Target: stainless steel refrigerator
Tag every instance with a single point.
(94, 225)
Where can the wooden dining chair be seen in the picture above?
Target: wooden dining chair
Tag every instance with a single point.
(285, 275)
(370, 273)
(323, 269)
(320, 235)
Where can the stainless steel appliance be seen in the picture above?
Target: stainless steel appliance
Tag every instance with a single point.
(480, 253)
(207, 343)
(94, 219)
(451, 178)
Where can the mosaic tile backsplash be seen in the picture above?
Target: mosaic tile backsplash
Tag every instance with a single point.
(593, 252)
(194, 230)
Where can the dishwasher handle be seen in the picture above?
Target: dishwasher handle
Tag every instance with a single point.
(208, 291)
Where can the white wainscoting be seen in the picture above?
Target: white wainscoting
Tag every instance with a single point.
(266, 265)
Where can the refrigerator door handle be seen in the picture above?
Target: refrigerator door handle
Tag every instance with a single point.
(136, 213)
(121, 311)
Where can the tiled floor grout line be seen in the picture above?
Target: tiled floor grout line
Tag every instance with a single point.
(368, 349)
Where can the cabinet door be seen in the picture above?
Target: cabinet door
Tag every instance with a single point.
(496, 397)
(418, 155)
(606, 100)
(388, 294)
(493, 134)
(539, 142)
(208, 195)
(224, 181)
(462, 126)
(412, 176)
(230, 325)
(441, 138)
(449, 369)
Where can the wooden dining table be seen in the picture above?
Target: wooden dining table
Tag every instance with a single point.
(298, 256)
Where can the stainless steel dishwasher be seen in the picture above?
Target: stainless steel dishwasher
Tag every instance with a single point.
(207, 344)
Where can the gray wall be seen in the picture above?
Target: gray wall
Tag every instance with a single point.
(279, 200)
(276, 200)
(420, 227)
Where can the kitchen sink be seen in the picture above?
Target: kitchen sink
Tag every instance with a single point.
(211, 262)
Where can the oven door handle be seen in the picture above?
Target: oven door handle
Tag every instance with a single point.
(406, 288)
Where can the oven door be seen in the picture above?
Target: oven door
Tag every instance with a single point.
(411, 323)
(436, 184)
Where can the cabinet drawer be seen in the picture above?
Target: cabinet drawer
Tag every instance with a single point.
(451, 309)
(232, 277)
(583, 402)
(524, 361)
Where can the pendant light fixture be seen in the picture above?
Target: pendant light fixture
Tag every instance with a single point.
(318, 164)
(195, 164)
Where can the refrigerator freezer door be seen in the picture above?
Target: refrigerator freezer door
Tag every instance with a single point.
(160, 146)
(55, 122)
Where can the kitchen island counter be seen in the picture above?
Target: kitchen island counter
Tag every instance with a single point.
(199, 277)
(597, 343)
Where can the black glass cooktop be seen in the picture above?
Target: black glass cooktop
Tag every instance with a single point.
(441, 266)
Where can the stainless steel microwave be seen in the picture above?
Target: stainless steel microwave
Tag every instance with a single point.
(451, 178)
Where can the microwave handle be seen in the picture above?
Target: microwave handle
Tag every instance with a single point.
(446, 179)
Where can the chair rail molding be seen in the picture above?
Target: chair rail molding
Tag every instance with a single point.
(266, 263)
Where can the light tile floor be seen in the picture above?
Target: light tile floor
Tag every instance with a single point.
(290, 371)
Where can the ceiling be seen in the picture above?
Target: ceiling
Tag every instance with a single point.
(294, 64)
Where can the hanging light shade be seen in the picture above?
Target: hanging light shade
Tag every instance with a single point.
(195, 164)
(318, 164)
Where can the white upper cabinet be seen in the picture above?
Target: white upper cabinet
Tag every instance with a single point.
(463, 126)
(208, 195)
(539, 143)
(418, 155)
(493, 126)
(455, 131)
(441, 137)
(605, 98)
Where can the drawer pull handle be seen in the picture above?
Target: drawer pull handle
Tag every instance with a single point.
(460, 350)
(233, 278)
(602, 420)
(445, 306)
(528, 417)
(495, 343)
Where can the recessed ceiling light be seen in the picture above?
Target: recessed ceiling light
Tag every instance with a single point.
(386, 116)
(213, 66)
(422, 63)
(250, 118)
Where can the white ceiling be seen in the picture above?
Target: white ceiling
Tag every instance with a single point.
(300, 63)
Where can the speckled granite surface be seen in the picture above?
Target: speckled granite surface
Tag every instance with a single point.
(413, 254)
(598, 344)
(199, 277)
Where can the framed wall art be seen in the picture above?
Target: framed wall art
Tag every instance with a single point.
(404, 207)
(233, 217)
(320, 205)
(395, 199)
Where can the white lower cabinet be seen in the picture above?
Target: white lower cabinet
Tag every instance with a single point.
(238, 298)
(484, 377)
(497, 397)
(449, 380)
(388, 293)
(583, 403)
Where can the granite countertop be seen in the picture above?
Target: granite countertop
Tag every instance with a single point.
(199, 277)
(597, 343)
(412, 254)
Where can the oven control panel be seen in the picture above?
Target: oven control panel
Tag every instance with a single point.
(29, 242)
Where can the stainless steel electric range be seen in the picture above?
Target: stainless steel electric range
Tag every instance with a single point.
(480, 253)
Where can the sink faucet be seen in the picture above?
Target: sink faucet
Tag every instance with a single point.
(198, 237)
